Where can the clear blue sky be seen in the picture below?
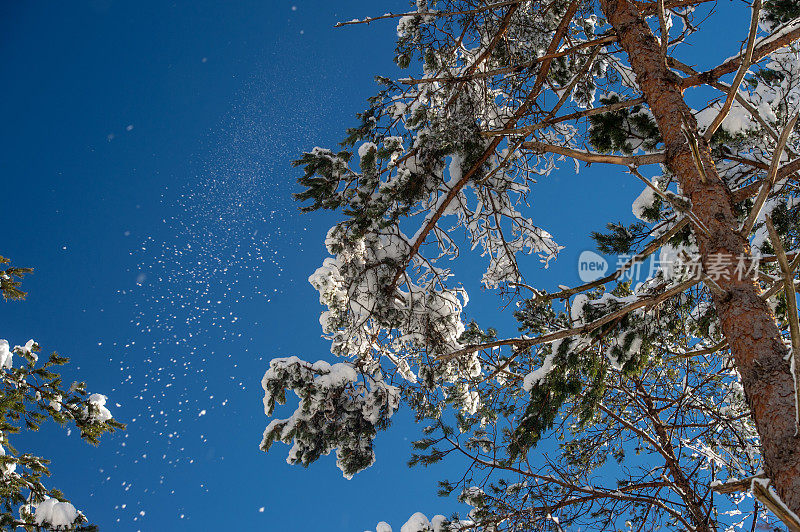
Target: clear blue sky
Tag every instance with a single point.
(145, 171)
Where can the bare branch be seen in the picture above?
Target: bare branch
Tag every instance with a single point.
(631, 160)
(367, 20)
(524, 343)
(765, 47)
(651, 248)
(722, 344)
(662, 22)
(725, 88)
(735, 485)
(769, 182)
(761, 491)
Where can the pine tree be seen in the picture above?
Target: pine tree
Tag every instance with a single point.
(692, 370)
(32, 393)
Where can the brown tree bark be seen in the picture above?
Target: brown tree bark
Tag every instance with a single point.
(747, 321)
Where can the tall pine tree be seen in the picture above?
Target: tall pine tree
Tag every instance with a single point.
(670, 400)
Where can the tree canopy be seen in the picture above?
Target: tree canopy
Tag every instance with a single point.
(673, 400)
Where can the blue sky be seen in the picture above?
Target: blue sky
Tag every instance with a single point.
(145, 156)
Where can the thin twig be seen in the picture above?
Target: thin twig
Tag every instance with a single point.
(691, 138)
(566, 91)
(743, 68)
(722, 344)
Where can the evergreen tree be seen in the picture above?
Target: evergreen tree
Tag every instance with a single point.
(671, 400)
(31, 393)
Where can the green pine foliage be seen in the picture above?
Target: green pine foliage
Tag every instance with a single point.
(781, 11)
(624, 130)
(32, 393)
(10, 281)
(611, 407)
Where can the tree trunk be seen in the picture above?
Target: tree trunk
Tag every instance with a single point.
(747, 321)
